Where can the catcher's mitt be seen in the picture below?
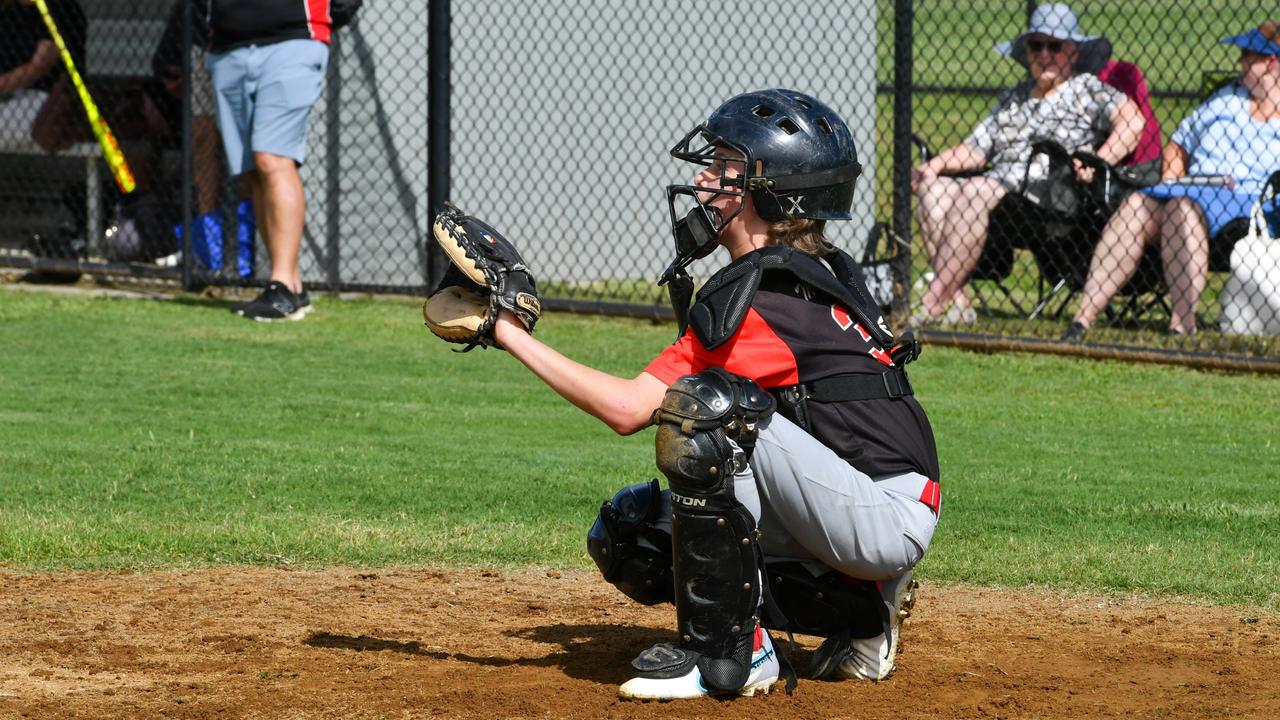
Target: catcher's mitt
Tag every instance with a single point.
(487, 276)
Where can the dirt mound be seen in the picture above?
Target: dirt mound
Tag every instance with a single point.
(281, 643)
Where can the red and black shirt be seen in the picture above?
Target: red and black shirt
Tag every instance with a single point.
(240, 23)
(792, 335)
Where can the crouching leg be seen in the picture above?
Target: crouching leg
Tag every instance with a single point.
(707, 427)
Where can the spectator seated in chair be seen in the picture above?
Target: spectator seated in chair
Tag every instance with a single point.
(146, 117)
(29, 62)
(1061, 101)
(1215, 165)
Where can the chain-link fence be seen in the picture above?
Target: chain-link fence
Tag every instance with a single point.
(563, 123)
(553, 120)
(1046, 208)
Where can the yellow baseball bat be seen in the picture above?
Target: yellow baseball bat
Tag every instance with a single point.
(110, 147)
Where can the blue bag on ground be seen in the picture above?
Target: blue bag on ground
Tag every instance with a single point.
(207, 238)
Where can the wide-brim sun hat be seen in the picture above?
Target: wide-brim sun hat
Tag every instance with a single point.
(1057, 21)
(1264, 39)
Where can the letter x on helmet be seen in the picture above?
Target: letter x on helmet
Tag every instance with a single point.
(799, 158)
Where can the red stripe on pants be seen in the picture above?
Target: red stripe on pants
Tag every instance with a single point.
(932, 495)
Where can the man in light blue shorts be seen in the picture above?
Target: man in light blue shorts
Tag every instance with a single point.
(268, 59)
(1215, 166)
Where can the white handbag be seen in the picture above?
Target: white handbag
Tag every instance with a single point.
(1251, 295)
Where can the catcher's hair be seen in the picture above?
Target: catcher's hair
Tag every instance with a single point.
(803, 234)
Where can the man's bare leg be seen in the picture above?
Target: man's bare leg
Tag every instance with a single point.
(281, 205)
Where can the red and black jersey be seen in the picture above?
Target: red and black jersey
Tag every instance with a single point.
(793, 335)
(240, 23)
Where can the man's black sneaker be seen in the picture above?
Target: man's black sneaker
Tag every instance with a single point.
(276, 302)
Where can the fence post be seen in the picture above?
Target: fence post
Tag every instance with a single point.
(902, 96)
(438, 103)
(188, 178)
(333, 160)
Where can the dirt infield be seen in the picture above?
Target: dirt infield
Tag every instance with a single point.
(281, 643)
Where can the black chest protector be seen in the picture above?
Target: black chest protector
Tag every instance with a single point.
(724, 300)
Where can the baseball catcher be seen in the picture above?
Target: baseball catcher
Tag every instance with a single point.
(801, 472)
(486, 275)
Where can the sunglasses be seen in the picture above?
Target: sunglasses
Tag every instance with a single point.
(1053, 46)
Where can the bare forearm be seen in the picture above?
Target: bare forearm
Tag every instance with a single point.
(1127, 127)
(1175, 161)
(41, 63)
(957, 159)
(17, 79)
(624, 405)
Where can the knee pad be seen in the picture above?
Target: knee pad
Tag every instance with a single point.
(631, 545)
(829, 605)
(698, 417)
(716, 557)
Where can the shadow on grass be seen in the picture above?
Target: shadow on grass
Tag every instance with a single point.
(208, 303)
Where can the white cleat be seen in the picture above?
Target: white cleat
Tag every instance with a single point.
(875, 658)
(680, 679)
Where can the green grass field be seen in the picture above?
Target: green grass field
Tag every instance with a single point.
(168, 433)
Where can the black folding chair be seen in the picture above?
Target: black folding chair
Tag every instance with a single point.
(1059, 221)
(995, 264)
(1078, 213)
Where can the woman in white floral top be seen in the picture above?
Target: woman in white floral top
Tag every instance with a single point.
(1062, 101)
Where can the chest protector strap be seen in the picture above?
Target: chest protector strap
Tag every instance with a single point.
(724, 300)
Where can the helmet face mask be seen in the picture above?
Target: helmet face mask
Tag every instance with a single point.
(699, 213)
(798, 161)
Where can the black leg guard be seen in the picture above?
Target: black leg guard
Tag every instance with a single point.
(832, 606)
(714, 544)
(631, 550)
(826, 606)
